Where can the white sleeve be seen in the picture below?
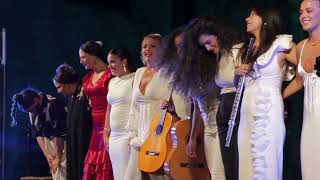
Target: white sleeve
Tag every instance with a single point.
(182, 105)
(284, 42)
(132, 124)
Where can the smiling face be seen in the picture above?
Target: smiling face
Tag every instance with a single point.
(87, 60)
(310, 15)
(116, 65)
(149, 48)
(210, 42)
(254, 23)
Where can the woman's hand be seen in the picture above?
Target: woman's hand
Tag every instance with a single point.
(106, 135)
(243, 69)
(167, 104)
(49, 158)
(191, 148)
(54, 165)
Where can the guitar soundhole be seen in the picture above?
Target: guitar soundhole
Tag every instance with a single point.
(159, 129)
(192, 165)
(152, 153)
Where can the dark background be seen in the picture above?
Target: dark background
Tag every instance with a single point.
(41, 34)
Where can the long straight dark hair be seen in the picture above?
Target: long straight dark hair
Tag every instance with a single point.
(271, 27)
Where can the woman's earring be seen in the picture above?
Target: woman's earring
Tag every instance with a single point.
(124, 68)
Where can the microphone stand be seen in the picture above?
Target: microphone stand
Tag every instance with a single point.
(3, 64)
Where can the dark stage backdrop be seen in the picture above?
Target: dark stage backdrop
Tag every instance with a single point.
(45, 33)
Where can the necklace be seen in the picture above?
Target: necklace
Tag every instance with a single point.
(314, 43)
(150, 70)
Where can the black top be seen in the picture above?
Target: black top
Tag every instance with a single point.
(79, 132)
(51, 121)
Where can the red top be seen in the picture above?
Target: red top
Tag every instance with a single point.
(97, 162)
(97, 94)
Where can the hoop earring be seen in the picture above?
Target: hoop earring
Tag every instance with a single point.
(124, 68)
(144, 62)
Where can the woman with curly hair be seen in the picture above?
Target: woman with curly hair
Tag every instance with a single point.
(193, 75)
(226, 45)
(47, 118)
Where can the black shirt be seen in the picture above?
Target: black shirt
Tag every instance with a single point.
(51, 121)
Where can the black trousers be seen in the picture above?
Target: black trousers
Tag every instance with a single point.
(230, 155)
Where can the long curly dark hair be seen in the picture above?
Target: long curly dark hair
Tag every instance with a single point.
(271, 27)
(167, 53)
(193, 67)
(228, 37)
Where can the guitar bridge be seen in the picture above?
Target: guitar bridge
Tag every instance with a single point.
(152, 153)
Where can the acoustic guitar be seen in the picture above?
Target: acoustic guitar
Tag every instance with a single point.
(159, 142)
(180, 166)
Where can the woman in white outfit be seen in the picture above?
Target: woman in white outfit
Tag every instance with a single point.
(307, 76)
(149, 89)
(116, 137)
(261, 130)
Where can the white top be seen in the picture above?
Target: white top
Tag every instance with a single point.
(266, 70)
(311, 84)
(144, 107)
(119, 97)
(310, 144)
(227, 64)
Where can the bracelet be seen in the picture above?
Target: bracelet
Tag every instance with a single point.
(107, 129)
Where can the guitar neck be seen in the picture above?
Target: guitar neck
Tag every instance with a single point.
(162, 116)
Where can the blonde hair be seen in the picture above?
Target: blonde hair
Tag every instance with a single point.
(155, 36)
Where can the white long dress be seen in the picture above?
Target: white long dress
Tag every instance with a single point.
(119, 97)
(143, 108)
(310, 144)
(262, 131)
